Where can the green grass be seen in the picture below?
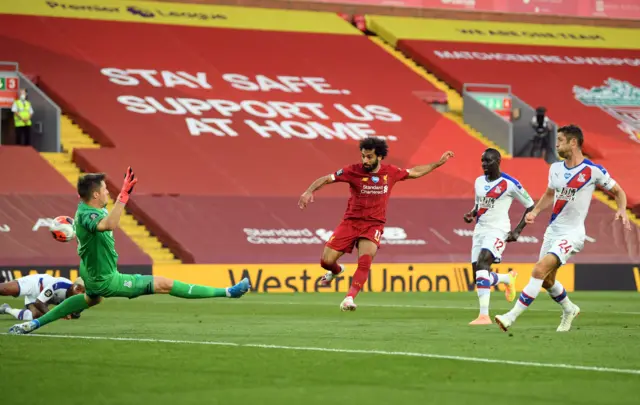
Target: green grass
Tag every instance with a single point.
(38, 370)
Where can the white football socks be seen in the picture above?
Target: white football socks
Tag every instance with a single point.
(499, 278)
(483, 286)
(559, 295)
(20, 314)
(528, 294)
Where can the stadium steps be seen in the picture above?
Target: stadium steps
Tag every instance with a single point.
(72, 137)
(454, 99)
(454, 113)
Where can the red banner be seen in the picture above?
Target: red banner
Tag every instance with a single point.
(275, 230)
(627, 9)
(25, 239)
(597, 89)
(193, 115)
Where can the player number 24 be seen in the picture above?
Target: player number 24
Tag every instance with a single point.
(565, 246)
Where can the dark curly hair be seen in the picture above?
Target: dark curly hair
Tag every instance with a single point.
(379, 145)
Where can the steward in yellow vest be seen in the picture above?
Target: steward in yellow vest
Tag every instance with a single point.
(22, 113)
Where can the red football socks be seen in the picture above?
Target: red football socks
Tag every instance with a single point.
(334, 268)
(361, 275)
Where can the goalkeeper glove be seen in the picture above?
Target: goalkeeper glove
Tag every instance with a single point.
(127, 186)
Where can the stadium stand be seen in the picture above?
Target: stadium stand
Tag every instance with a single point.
(591, 83)
(225, 141)
(31, 193)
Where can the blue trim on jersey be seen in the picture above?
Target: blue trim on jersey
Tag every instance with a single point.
(571, 168)
(61, 285)
(512, 179)
(590, 163)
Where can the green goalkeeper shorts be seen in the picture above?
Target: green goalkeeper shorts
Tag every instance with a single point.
(123, 285)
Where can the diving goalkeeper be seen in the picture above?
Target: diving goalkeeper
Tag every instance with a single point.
(94, 227)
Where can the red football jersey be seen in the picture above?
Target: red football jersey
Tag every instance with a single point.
(369, 191)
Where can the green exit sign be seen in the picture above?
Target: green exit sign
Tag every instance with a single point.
(494, 102)
(8, 83)
(500, 103)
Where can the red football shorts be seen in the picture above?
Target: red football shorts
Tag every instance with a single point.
(346, 235)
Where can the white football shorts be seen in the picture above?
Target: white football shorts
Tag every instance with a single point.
(492, 240)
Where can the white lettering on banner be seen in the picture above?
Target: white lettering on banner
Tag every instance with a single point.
(530, 58)
(391, 236)
(282, 119)
(42, 222)
(220, 126)
(281, 236)
(127, 77)
(287, 84)
(521, 238)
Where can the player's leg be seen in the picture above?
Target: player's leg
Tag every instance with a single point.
(329, 262)
(555, 252)
(367, 249)
(163, 285)
(10, 289)
(13, 289)
(559, 294)
(28, 313)
(342, 241)
(483, 286)
(549, 263)
(71, 305)
(488, 249)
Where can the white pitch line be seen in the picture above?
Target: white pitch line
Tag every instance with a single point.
(324, 304)
(352, 351)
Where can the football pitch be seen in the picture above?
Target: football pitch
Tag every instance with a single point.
(397, 348)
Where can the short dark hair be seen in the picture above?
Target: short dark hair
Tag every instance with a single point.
(494, 152)
(572, 132)
(90, 183)
(379, 145)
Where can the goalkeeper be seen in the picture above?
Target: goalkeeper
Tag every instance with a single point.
(94, 227)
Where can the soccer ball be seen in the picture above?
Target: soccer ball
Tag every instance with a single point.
(62, 229)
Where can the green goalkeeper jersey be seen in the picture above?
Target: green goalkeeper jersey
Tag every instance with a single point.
(97, 250)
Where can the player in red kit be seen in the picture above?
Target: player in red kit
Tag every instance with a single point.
(362, 226)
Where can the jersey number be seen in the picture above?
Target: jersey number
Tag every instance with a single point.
(377, 235)
(565, 246)
(499, 244)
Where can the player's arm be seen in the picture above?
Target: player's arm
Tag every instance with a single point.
(35, 311)
(111, 221)
(419, 171)
(468, 217)
(621, 202)
(42, 302)
(527, 202)
(515, 234)
(307, 196)
(544, 203)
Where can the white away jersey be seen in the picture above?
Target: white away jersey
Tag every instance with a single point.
(574, 188)
(45, 288)
(493, 200)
